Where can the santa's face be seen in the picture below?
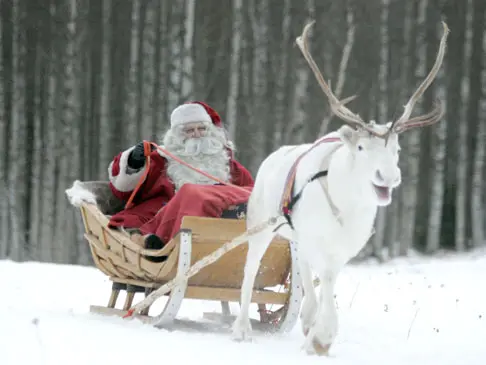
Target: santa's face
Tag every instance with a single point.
(194, 130)
(201, 145)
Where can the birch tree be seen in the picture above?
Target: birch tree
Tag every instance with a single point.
(476, 119)
(462, 213)
(147, 70)
(460, 138)
(3, 138)
(437, 142)
(259, 29)
(236, 40)
(74, 14)
(53, 101)
(381, 219)
(410, 141)
(134, 100)
(245, 132)
(18, 109)
(186, 54)
(158, 110)
(31, 31)
(93, 162)
(176, 45)
(105, 38)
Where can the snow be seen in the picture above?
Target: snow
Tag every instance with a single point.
(408, 311)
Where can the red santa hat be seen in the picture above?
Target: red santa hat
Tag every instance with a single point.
(194, 111)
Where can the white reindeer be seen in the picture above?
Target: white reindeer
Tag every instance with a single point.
(334, 216)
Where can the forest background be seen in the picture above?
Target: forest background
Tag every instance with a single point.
(81, 80)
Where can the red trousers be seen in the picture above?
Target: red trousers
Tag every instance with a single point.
(193, 200)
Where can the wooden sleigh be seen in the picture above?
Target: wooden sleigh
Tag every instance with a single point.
(278, 284)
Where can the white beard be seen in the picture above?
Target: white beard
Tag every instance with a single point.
(207, 154)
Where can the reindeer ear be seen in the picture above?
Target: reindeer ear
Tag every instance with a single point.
(348, 135)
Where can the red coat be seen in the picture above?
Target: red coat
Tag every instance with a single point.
(157, 191)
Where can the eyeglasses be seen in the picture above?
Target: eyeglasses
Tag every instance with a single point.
(194, 131)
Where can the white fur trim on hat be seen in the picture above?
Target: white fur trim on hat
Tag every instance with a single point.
(189, 113)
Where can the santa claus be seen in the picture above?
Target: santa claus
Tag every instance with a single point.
(172, 190)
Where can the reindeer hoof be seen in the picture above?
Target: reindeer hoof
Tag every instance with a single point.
(241, 333)
(241, 336)
(320, 349)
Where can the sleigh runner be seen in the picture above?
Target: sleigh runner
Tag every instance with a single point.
(129, 269)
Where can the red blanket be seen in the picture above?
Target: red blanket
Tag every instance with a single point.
(193, 200)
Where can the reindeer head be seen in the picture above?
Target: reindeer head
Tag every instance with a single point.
(372, 160)
(374, 147)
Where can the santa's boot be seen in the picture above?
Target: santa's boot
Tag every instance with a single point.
(151, 242)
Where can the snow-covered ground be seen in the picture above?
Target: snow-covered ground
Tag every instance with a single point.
(408, 311)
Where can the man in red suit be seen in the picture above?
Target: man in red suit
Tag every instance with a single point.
(171, 190)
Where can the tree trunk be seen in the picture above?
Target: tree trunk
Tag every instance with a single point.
(4, 126)
(107, 152)
(146, 77)
(295, 129)
(236, 45)
(477, 124)
(96, 167)
(437, 146)
(187, 63)
(460, 237)
(453, 60)
(158, 118)
(410, 147)
(133, 105)
(31, 28)
(381, 219)
(260, 50)
(15, 186)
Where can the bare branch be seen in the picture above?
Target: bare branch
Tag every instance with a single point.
(343, 65)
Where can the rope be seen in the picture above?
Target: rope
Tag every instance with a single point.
(147, 148)
(182, 162)
(146, 152)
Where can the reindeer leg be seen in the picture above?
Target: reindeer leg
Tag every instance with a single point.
(257, 246)
(309, 305)
(324, 330)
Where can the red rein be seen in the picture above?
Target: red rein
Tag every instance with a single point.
(148, 150)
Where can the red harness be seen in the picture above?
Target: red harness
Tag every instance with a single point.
(289, 198)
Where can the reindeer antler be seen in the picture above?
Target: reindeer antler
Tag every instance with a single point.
(422, 120)
(401, 124)
(336, 105)
(404, 123)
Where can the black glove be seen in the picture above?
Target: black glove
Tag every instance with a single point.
(136, 158)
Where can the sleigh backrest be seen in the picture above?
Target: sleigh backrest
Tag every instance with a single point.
(208, 234)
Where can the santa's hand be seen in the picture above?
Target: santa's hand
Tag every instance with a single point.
(136, 159)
